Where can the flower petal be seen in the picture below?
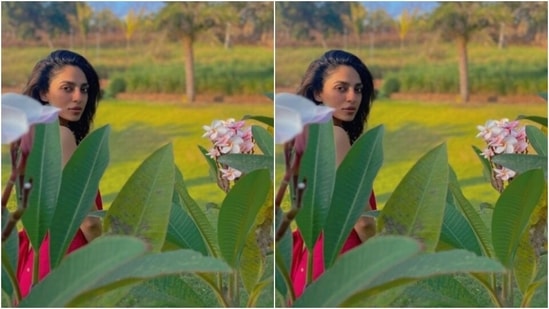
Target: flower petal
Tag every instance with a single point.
(35, 112)
(14, 124)
(287, 124)
(309, 111)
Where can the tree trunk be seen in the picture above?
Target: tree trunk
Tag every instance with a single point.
(463, 69)
(189, 67)
(501, 40)
(227, 43)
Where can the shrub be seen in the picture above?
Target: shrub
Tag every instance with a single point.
(391, 85)
(116, 86)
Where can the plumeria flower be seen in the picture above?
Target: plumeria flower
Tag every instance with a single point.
(503, 136)
(230, 173)
(293, 113)
(229, 136)
(20, 112)
(504, 173)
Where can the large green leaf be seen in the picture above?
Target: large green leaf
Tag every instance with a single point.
(79, 186)
(182, 230)
(486, 165)
(165, 291)
(44, 170)
(440, 292)
(264, 119)
(353, 187)
(10, 250)
(416, 207)
(525, 264)
(521, 163)
(252, 264)
(317, 171)
(536, 119)
(211, 163)
(283, 257)
(263, 139)
(512, 213)
(142, 207)
(456, 231)
(238, 214)
(537, 139)
(247, 163)
(110, 262)
(196, 213)
(471, 215)
(384, 262)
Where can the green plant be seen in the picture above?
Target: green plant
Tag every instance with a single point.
(154, 232)
(116, 86)
(429, 238)
(391, 85)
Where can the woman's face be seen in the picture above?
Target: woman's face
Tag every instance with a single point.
(68, 90)
(342, 90)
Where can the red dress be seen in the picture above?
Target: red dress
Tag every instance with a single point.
(298, 273)
(26, 255)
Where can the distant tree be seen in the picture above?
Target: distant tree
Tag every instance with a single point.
(257, 20)
(459, 21)
(377, 21)
(404, 23)
(31, 20)
(131, 22)
(358, 16)
(184, 21)
(83, 17)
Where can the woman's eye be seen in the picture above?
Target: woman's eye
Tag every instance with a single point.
(67, 88)
(85, 90)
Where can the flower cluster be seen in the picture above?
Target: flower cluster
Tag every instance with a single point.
(229, 136)
(503, 136)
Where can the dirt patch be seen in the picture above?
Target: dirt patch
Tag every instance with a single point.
(201, 98)
(474, 98)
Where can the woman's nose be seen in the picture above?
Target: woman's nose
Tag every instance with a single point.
(77, 95)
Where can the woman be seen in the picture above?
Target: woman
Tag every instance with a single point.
(67, 81)
(339, 80)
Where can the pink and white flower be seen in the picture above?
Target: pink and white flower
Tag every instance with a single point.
(503, 136)
(229, 136)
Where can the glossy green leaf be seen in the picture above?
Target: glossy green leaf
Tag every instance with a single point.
(264, 119)
(525, 264)
(197, 214)
(471, 215)
(254, 295)
(537, 139)
(10, 247)
(384, 262)
(182, 230)
(248, 163)
(283, 257)
(512, 213)
(110, 262)
(79, 187)
(211, 163)
(142, 207)
(44, 170)
(317, 171)
(81, 269)
(416, 207)
(166, 291)
(521, 163)
(264, 140)
(536, 119)
(486, 165)
(456, 231)
(238, 214)
(353, 187)
(252, 264)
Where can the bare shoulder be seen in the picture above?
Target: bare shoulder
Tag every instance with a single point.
(342, 143)
(68, 143)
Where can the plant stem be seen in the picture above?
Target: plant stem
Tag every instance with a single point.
(236, 289)
(309, 268)
(35, 265)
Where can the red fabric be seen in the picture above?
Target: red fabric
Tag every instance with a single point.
(298, 273)
(26, 255)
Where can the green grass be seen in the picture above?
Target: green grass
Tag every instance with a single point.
(433, 67)
(414, 128)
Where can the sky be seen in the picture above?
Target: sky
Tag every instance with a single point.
(394, 8)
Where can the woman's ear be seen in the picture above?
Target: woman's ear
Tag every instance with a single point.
(44, 97)
(318, 97)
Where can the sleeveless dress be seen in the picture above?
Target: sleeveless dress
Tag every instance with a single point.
(26, 255)
(298, 272)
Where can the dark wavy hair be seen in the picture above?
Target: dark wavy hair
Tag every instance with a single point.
(319, 70)
(47, 68)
